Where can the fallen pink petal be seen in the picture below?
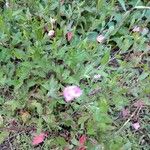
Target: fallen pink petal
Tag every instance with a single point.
(136, 125)
(69, 36)
(71, 92)
(82, 139)
(38, 139)
(100, 38)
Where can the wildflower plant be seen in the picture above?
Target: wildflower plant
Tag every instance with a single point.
(74, 74)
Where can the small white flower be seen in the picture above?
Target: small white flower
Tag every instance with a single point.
(97, 76)
(136, 29)
(51, 33)
(145, 31)
(7, 4)
(100, 38)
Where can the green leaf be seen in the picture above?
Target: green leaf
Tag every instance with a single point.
(1, 121)
(1, 100)
(51, 86)
(74, 141)
(102, 73)
(121, 22)
(38, 106)
(127, 146)
(105, 58)
(3, 136)
(61, 141)
(91, 128)
(103, 105)
(12, 104)
(122, 3)
(17, 12)
(100, 4)
(143, 76)
(83, 119)
(92, 36)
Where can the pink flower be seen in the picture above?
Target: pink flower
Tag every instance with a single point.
(82, 141)
(69, 36)
(136, 125)
(38, 139)
(71, 92)
(100, 38)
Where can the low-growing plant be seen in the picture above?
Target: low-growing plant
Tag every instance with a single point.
(74, 74)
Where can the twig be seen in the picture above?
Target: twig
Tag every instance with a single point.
(141, 7)
(10, 145)
(137, 114)
(16, 129)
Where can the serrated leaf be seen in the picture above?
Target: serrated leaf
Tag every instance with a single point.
(83, 119)
(61, 141)
(38, 106)
(103, 105)
(90, 128)
(13, 105)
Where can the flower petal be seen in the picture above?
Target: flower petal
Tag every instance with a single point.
(51, 33)
(69, 36)
(82, 139)
(125, 113)
(139, 103)
(136, 125)
(71, 92)
(100, 38)
(38, 139)
(136, 29)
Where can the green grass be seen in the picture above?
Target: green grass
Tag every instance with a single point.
(34, 69)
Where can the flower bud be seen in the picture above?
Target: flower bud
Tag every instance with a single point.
(53, 21)
(100, 38)
(51, 33)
